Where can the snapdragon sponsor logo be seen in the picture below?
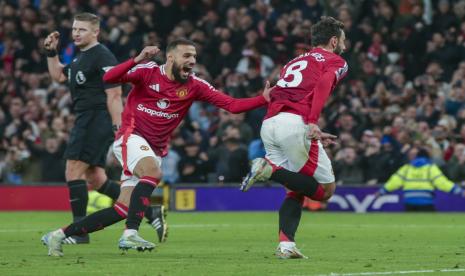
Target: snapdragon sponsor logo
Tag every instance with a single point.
(155, 113)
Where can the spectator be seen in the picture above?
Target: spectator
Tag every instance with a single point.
(170, 167)
(391, 159)
(237, 121)
(455, 167)
(252, 56)
(52, 164)
(418, 181)
(406, 63)
(444, 18)
(347, 168)
(192, 166)
(256, 149)
(371, 161)
(312, 10)
(225, 62)
(230, 159)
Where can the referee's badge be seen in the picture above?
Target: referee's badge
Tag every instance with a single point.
(80, 78)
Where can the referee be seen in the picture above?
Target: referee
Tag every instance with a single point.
(97, 107)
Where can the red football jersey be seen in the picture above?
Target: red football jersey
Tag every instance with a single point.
(156, 105)
(305, 83)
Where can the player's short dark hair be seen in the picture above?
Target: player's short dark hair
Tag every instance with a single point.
(88, 17)
(326, 28)
(179, 41)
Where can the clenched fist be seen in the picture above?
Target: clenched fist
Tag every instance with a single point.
(51, 41)
(147, 53)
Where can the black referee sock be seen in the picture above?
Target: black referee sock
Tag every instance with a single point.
(289, 218)
(296, 182)
(78, 198)
(140, 200)
(97, 221)
(110, 188)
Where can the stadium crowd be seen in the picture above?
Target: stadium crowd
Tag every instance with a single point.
(405, 88)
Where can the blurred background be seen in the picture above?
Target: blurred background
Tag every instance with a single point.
(405, 89)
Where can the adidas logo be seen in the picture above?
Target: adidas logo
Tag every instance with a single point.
(69, 240)
(156, 223)
(155, 87)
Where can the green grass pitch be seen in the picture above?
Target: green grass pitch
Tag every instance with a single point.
(244, 243)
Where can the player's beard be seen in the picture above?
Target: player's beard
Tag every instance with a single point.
(338, 50)
(177, 73)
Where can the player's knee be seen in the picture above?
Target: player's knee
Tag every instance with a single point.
(96, 181)
(75, 169)
(96, 177)
(329, 190)
(70, 174)
(148, 166)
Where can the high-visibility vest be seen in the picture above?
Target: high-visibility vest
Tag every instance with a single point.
(418, 183)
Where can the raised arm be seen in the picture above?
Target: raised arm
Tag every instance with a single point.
(395, 182)
(218, 98)
(55, 68)
(243, 104)
(120, 73)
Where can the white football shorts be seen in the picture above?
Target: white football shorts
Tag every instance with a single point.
(129, 152)
(287, 146)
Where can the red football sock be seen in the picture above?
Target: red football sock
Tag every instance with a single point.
(319, 193)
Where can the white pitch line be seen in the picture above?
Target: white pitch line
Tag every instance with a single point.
(142, 226)
(393, 272)
(307, 225)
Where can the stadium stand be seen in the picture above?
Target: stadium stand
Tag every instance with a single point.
(405, 88)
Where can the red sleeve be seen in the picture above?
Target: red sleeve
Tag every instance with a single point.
(128, 71)
(335, 71)
(209, 94)
(338, 66)
(320, 94)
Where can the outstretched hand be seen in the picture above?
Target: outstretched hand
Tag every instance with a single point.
(328, 139)
(147, 53)
(267, 91)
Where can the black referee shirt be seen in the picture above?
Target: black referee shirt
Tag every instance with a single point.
(85, 74)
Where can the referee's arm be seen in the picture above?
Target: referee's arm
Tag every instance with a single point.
(114, 91)
(55, 68)
(115, 105)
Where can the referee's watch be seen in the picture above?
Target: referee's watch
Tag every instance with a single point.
(115, 127)
(51, 53)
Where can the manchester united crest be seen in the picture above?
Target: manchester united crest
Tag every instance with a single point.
(182, 92)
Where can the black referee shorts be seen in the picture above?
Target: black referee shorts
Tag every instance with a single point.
(90, 137)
